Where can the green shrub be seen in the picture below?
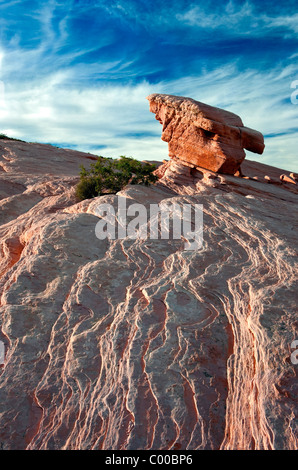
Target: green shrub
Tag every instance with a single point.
(108, 176)
(5, 137)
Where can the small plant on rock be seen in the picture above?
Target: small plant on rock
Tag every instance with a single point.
(108, 176)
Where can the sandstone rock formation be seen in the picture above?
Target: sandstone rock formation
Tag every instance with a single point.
(203, 135)
(139, 344)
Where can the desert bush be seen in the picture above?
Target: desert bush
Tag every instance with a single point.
(5, 137)
(108, 176)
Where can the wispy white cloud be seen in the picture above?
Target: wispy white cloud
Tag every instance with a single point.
(87, 118)
(287, 22)
(112, 119)
(4, 4)
(241, 20)
(229, 15)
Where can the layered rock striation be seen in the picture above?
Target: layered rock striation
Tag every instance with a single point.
(137, 343)
(203, 135)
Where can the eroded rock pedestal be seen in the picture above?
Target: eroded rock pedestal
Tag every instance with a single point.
(203, 135)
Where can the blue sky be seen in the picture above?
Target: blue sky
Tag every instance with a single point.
(76, 73)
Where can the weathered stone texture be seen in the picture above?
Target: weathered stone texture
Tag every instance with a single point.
(204, 135)
(139, 344)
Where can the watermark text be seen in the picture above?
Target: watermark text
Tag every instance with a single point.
(294, 95)
(294, 355)
(2, 353)
(2, 94)
(164, 221)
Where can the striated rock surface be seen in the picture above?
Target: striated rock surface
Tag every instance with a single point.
(204, 135)
(139, 344)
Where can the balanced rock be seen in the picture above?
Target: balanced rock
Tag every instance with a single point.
(203, 135)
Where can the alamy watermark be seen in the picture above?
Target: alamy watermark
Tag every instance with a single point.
(2, 353)
(164, 221)
(294, 95)
(294, 355)
(2, 94)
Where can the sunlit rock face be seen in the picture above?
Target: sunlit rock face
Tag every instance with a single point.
(141, 344)
(204, 135)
